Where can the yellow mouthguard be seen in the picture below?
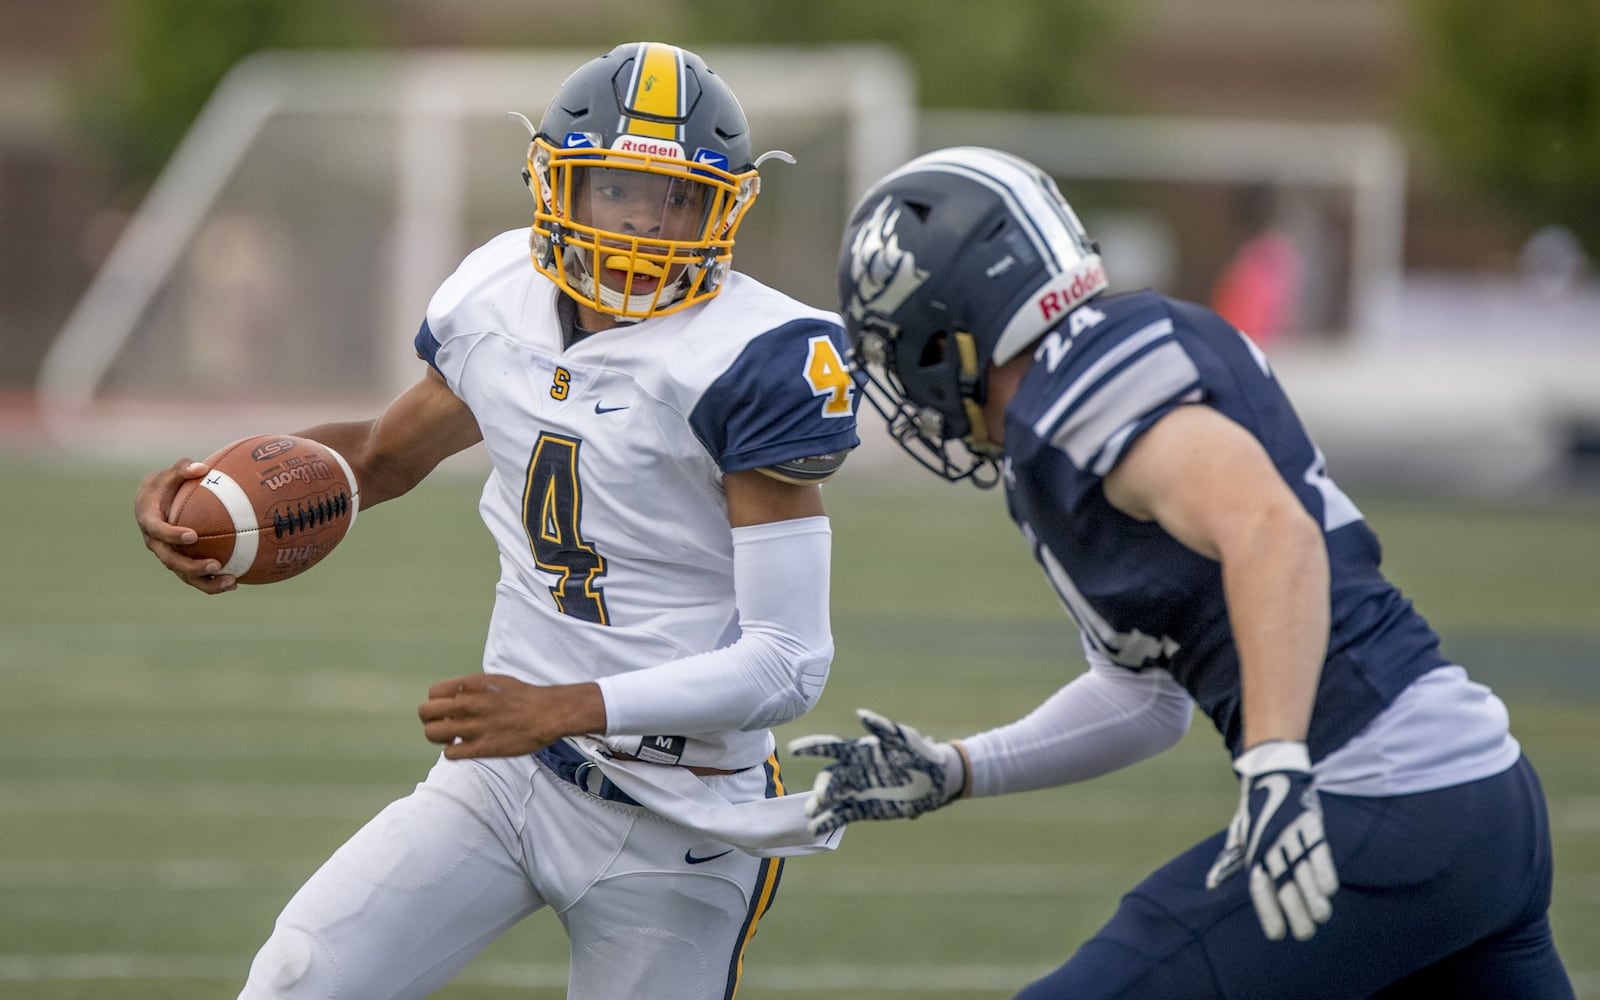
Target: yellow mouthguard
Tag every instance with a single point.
(622, 262)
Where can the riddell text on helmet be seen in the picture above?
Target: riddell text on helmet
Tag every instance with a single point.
(1058, 300)
(648, 147)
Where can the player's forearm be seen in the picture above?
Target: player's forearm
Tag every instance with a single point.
(1276, 581)
(772, 673)
(380, 475)
(1104, 720)
(395, 451)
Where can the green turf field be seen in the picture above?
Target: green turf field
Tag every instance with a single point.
(178, 764)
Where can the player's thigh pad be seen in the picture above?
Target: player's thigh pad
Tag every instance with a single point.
(668, 915)
(407, 900)
(1423, 877)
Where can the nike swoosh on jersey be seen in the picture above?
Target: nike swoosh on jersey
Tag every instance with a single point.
(1277, 788)
(608, 409)
(690, 858)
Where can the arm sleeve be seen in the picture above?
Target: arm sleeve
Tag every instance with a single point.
(1106, 719)
(774, 671)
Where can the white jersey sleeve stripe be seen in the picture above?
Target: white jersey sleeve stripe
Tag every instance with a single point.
(1111, 359)
(1104, 416)
(1150, 381)
(1118, 442)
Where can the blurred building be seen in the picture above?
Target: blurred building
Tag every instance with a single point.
(1277, 60)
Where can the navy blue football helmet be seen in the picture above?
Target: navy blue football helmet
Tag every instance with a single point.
(958, 260)
(645, 121)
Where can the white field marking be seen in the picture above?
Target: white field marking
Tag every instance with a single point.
(401, 751)
(1569, 814)
(156, 876)
(331, 689)
(270, 798)
(1573, 814)
(391, 630)
(195, 798)
(813, 977)
(808, 978)
(833, 881)
(964, 881)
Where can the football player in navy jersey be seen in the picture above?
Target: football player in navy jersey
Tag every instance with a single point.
(1390, 838)
(657, 427)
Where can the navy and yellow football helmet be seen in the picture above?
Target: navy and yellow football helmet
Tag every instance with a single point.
(956, 261)
(641, 172)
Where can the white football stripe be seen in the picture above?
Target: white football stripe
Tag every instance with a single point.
(245, 540)
(355, 487)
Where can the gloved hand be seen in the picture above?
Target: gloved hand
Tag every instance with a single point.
(894, 772)
(1277, 834)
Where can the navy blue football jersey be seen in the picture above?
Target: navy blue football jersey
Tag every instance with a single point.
(1110, 371)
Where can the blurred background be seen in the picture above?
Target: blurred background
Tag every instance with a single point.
(222, 217)
(1399, 200)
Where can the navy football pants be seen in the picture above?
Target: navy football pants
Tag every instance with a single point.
(1443, 894)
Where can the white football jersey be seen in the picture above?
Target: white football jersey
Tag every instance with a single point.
(606, 497)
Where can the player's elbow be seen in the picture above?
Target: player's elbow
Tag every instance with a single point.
(795, 675)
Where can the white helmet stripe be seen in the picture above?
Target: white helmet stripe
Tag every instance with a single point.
(1018, 185)
(1072, 267)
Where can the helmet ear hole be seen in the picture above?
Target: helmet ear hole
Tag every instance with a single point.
(933, 351)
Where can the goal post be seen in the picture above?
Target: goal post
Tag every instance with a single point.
(1354, 171)
(289, 248)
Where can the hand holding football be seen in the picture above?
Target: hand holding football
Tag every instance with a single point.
(271, 507)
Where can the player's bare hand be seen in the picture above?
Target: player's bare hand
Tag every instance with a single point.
(492, 715)
(151, 502)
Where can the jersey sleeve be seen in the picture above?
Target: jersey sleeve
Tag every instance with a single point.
(473, 299)
(787, 396)
(1115, 387)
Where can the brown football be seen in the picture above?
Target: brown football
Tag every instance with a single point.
(270, 507)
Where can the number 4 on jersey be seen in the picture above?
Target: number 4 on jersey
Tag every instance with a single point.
(552, 514)
(829, 377)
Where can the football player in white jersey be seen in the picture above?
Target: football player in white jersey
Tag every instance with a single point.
(1390, 839)
(658, 427)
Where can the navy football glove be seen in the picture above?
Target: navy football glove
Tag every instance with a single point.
(1277, 834)
(894, 772)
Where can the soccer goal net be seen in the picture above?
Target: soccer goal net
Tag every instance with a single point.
(288, 250)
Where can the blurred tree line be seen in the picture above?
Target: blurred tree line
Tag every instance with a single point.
(1505, 96)
(1508, 98)
(171, 54)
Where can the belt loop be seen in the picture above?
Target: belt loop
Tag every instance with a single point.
(581, 778)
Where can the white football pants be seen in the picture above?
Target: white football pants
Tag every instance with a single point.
(650, 908)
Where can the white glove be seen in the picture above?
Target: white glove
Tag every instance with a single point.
(1277, 834)
(894, 772)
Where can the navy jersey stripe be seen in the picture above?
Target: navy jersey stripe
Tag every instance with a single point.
(427, 346)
